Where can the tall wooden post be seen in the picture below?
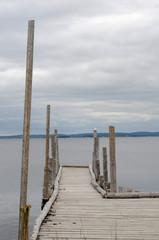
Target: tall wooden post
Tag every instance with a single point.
(51, 175)
(105, 168)
(53, 144)
(95, 149)
(96, 145)
(97, 169)
(95, 162)
(94, 132)
(113, 187)
(57, 150)
(24, 209)
(46, 192)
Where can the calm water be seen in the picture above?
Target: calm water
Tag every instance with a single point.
(137, 167)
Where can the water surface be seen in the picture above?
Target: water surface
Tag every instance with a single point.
(137, 167)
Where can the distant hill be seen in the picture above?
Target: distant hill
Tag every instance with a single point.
(82, 135)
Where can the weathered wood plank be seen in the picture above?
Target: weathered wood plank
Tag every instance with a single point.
(46, 207)
(75, 166)
(132, 195)
(81, 213)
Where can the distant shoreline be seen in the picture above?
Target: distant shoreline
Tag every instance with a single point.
(84, 135)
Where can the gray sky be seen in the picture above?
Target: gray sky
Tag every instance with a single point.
(96, 62)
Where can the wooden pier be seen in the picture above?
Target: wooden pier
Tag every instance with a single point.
(79, 202)
(80, 212)
(84, 205)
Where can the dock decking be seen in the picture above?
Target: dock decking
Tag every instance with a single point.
(80, 212)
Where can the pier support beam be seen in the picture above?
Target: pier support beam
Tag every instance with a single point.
(53, 146)
(24, 209)
(56, 151)
(95, 161)
(54, 167)
(113, 187)
(105, 168)
(46, 189)
(51, 165)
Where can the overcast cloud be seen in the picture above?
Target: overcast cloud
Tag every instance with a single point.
(96, 62)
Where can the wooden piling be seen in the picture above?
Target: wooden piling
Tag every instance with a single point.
(54, 174)
(101, 181)
(97, 169)
(54, 152)
(53, 148)
(95, 161)
(23, 208)
(54, 161)
(54, 167)
(96, 145)
(57, 151)
(51, 175)
(93, 155)
(113, 187)
(105, 168)
(46, 192)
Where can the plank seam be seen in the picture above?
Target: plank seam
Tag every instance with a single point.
(75, 166)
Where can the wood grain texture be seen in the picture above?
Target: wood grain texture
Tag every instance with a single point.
(81, 213)
(113, 183)
(46, 190)
(53, 147)
(56, 150)
(105, 168)
(26, 131)
(47, 207)
(95, 161)
(95, 184)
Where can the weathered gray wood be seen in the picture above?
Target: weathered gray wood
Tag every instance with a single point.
(81, 213)
(97, 169)
(75, 166)
(96, 145)
(95, 161)
(24, 209)
(113, 183)
(101, 181)
(105, 168)
(46, 208)
(52, 175)
(46, 192)
(132, 195)
(94, 183)
(95, 154)
(54, 167)
(96, 148)
(53, 147)
(57, 150)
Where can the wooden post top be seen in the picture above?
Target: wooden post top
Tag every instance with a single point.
(95, 132)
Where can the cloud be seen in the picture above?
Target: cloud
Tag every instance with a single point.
(95, 62)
